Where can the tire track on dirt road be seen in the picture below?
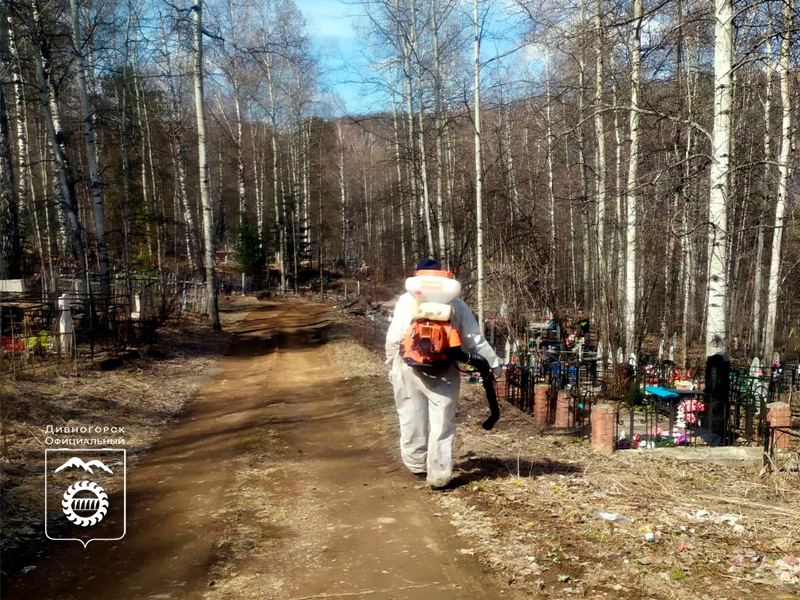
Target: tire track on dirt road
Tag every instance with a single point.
(356, 527)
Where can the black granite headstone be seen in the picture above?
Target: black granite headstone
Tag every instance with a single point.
(717, 395)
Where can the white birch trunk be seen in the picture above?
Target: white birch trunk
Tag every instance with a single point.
(783, 184)
(146, 152)
(193, 251)
(437, 96)
(551, 198)
(716, 307)
(126, 164)
(343, 192)
(478, 165)
(257, 180)
(25, 189)
(450, 183)
(587, 250)
(240, 167)
(619, 208)
(600, 167)
(280, 252)
(205, 184)
(412, 164)
(68, 201)
(631, 248)
(758, 317)
(687, 241)
(398, 163)
(306, 145)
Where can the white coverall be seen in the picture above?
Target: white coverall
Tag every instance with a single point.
(426, 399)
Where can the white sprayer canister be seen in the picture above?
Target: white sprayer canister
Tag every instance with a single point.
(432, 288)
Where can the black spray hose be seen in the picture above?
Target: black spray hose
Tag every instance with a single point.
(487, 375)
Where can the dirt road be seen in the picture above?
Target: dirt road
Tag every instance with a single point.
(276, 484)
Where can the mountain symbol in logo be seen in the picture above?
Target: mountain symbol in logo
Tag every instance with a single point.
(77, 462)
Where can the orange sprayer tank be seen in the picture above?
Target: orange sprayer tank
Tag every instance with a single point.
(431, 334)
(426, 342)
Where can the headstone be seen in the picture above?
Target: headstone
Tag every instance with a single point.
(758, 387)
(717, 397)
(65, 329)
(136, 313)
(12, 285)
(755, 367)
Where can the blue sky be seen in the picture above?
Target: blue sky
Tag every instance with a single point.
(330, 24)
(344, 67)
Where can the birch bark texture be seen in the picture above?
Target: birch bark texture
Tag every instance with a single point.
(717, 294)
(783, 184)
(65, 190)
(631, 248)
(205, 183)
(758, 317)
(478, 165)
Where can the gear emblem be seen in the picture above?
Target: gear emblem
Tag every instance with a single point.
(85, 510)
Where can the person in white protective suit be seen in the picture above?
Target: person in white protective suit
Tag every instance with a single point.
(427, 398)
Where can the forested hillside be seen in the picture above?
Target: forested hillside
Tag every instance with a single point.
(634, 159)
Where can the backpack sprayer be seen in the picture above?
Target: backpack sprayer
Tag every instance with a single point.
(432, 341)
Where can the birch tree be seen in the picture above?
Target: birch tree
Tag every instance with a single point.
(758, 317)
(205, 183)
(478, 163)
(631, 246)
(783, 183)
(178, 154)
(600, 163)
(32, 16)
(717, 301)
(91, 154)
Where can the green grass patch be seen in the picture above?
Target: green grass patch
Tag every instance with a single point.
(677, 575)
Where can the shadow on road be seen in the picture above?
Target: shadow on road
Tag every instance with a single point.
(480, 468)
